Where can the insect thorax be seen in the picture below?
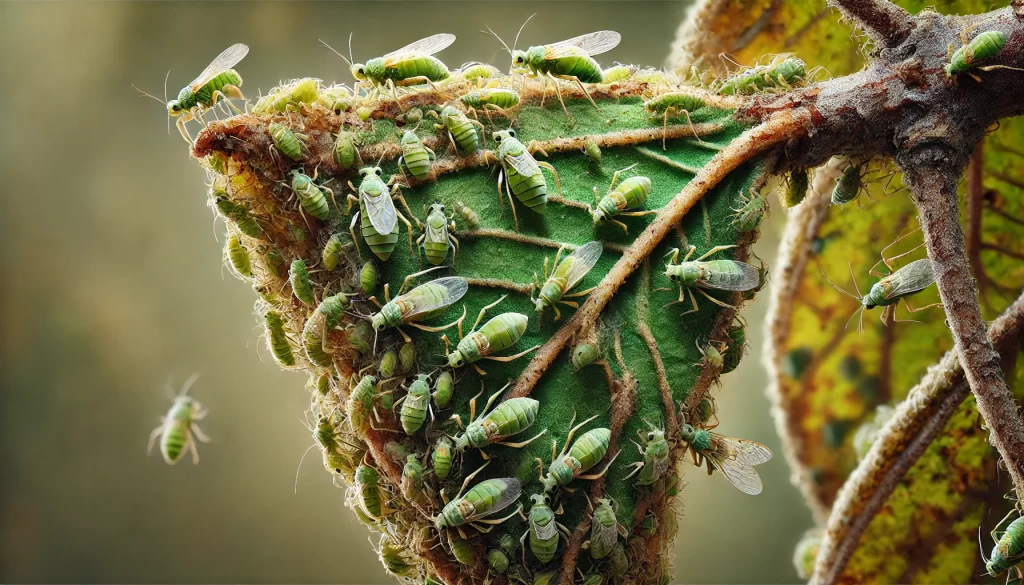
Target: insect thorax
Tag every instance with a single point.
(375, 70)
(686, 274)
(701, 440)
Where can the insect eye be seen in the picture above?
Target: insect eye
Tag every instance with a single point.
(512, 133)
(650, 436)
(361, 71)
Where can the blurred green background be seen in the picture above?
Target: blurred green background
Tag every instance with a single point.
(113, 283)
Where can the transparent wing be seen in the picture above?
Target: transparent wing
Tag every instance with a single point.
(913, 277)
(428, 46)
(226, 60)
(606, 535)
(436, 234)
(585, 257)
(739, 474)
(523, 163)
(749, 452)
(381, 210)
(592, 44)
(747, 278)
(509, 496)
(430, 296)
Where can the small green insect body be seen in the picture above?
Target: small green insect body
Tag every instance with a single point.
(584, 354)
(411, 65)
(796, 189)
(416, 156)
(277, 339)
(407, 358)
(617, 73)
(388, 364)
(238, 256)
(437, 238)
(571, 59)
(462, 550)
(368, 278)
(377, 216)
(441, 458)
(749, 215)
(983, 47)
(618, 562)
(415, 405)
(672, 104)
(912, 278)
(654, 451)
(593, 152)
(412, 475)
(781, 74)
(484, 499)
(510, 417)
(444, 389)
(422, 303)
(497, 560)
(521, 173)
(1009, 548)
(345, 153)
(299, 277)
(237, 213)
(564, 276)
(730, 275)
(604, 530)
(479, 71)
(361, 402)
(337, 98)
(392, 555)
(848, 185)
(311, 196)
(178, 430)
(498, 334)
(332, 251)
(734, 458)
(543, 529)
(286, 141)
(574, 461)
(323, 320)
(290, 97)
(367, 489)
(630, 194)
(737, 346)
(468, 215)
(498, 99)
(461, 130)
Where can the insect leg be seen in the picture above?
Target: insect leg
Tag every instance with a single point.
(191, 444)
(352, 232)
(615, 177)
(709, 252)
(484, 310)
(181, 127)
(693, 300)
(714, 300)
(558, 92)
(511, 202)
(400, 198)
(408, 229)
(200, 434)
(512, 357)
(156, 433)
(586, 93)
(554, 173)
(521, 444)
(692, 129)
(603, 471)
(664, 129)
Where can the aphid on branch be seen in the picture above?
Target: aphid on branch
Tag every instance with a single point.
(332, 251)
(618, 72)
(981, 48)
(604, 530)
(496, 99)
(345, 153)
(277, 339)
(238, 256)
(572, 462)
(630, 194)
(542, 529)
(368, 278)
(237, 213)
(497, 560)
(377, 216)
(407, 358)
(460, 129)
(336, 98)
(178, 430)
(415, 405)
(1008, 551)
(593, 152)
(475, 506)
(654, 452)
(437, 238)
(362, 403)
(462, 550)
(510, 417)
(444, 389)
(671, 104)
(290, 97)
(749, 215)
(393, 555)
(796, 188)
(848, 185)
(468, 215)
(783, 72)
(441, 458)
(287, 142)
(299, 277)
(416, 157)
(368, 492)
(729, 275)
(422, 303)
(323, 320)
(564, 276)
(735, 458)
(737, 347)
(521, 173)
(500, 333)
(311, 196)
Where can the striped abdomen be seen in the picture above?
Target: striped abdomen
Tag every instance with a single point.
(463, 131)
(416, 160)
(419, 66)
(436, 249)
(204, 96)
(286, 141)
(501, 332)
(173, 439)
(512, 416)
(580, 66)
(381, 245)
(721, 274)
(532, 191)
(589, 449)
(312, 340)
(543, 533)
(277, 339)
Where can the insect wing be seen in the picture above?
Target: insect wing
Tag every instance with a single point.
(523, 163)
(584, 259)
(226, 60)
(438, 235)
(455, 289)
(507, 497)
(381, 210)
(428, 46)
(749, 452)
(913, 277)
(592, 44)
(749, 277)
(740, 475)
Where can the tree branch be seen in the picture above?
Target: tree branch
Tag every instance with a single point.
(886, 23)
(917, 421)
(933, 171)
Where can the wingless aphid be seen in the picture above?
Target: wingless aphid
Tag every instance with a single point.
(500, 333)
(848, 185)
(730, 275)
(299, 277)
(604, 530)
(422, 303)
(473, 508)
(460, 129)
(416, 157)
(796, 188)
(654, 452)
(178, 430)
(331, 254)
(444, 388)
(749, 215)
(510, 417)
(437, 238)
(368, 492)
(543, 529)
(323, 320)
(238, 256)
(392, 555)
(218, 82)
(290, 97)
(361, 404)
(491, 99)
(441, 458)
(462, 550)
(469, 216)
(672, 104)
(415, 405)
(311, 196)
(497, 560)
(368, 278)
(277, 339)
(572, 462)
(388, 363)
(563, 277)
(782, 73)
(407, 358)
(412, 475)
(735, 458)
(983, 47)
(521, 173)
(377, 216)
(1008, 551)
(287, 142)
(630, 194)
(345, 153)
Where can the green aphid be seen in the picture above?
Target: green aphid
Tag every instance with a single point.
(762, 279)
(618, 72)
(361, 337)
(441, 458)
(647, 526)
(368, 492)
(388, 363)
(460, 129)
(780, 74)
(711, 356)
(564, 276)
(311, 196)
(521, 173)
(734, 458)
(323, 384)
(485, 499)
(848, 185)
(340, 456)
(491, 99)
(572, 462)
(729, 275)
(393, 556)
(361, 404)
(238, 256)
(983, 47)
(323, 320)
(287, 142)
(386, 401)
(1009, 548)
(510, 417)
(422, 303)
(672, 104)
(796, 188)
(468, 215)
(413, 64)
(584, 354)
(337, 98)
(630, 194)
(654, 451)
(368, 278)
(479, 71)
(237, 213)
(462, 550)
(498, 334)
(571, 59)
(364, 112)
(332, 251)
(593, 152)
(444, 389)
(894, 287)
(592, 578)
(215, 84)
(397, 451)
(216, 162)
(543, 529)
(737, 347)
(497, 561)
(618, 562)
(805, 555)
(437, 238)
(290, 97)
(413, 116)
(748, 216)
(377, 216)
(275, 262)
(416, 156)
(412, 475)
(299, 277)
(407, 358)
(415, 405)
(345, 153)
(277, 339)
(604, 530)
(178, 430)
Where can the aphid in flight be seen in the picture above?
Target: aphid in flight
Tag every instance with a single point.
(499, 333)
(413, 64)
(654, 451)
(437, 238)
(672, 104)
(422, 303)
(571, 59)
(604, 530)
(563, 277)
(178, 430)
(730, 275)
(460, 129)
(630, 194)
(416, 156)
(543, 529)
(1008, 551)
(473, 508)
(510, 417)
(572, 462)
(521, 173)
(377, 216)
(735, 458)
(218, 82)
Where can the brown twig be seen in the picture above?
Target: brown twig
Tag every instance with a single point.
(642, 310)
(532, 240)
(886, 23)
(975, 194)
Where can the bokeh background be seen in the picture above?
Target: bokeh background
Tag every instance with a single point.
(113, 284)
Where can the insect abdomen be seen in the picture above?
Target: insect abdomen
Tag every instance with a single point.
(720, 273)
(582, 67)
(286, 141)
(382, 245)
(436, 252)
(503, 331)
(514, 415)
(463, 132)
(531, 191)
(173, 439)
(590, 448)
(420, 66)
(277, 339)
(416, 160)
(204, 96)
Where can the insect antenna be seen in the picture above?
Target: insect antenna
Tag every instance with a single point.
(149, 95)
(499, 40)
(515, 43)
(295, 488)
(347, 60)
(351, 59)
(188, 384)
